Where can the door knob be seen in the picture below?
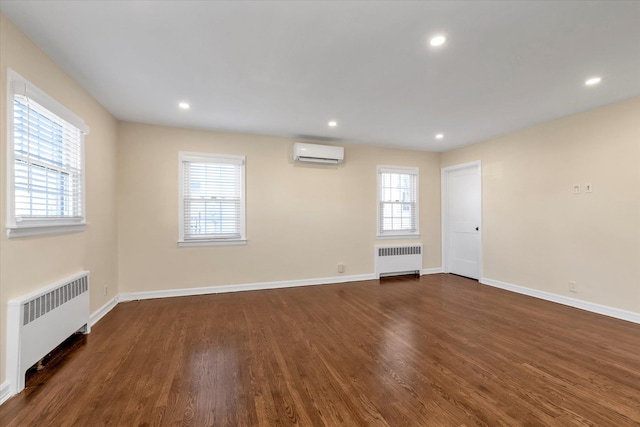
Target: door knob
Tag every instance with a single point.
(477, 228)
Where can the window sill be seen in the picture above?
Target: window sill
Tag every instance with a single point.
(41, 230)
(186, 244)
(398, 236)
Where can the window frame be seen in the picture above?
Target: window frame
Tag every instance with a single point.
(25, 227)
(184, 156)
(397, 234)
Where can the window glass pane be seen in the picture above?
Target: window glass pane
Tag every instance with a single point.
(398, 201)
(212, 200)
(48, 169)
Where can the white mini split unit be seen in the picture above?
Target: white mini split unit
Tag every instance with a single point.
(315, 153)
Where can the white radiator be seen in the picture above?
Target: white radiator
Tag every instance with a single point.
(40, 321)
(398, 259)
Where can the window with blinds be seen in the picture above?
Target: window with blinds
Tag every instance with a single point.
(397, 202)
(46, 164)
(212, 205)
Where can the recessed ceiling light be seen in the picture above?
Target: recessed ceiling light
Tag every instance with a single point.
(333, 123)
(184, 105)
(438, 40)
(439, 136)
(593, 81)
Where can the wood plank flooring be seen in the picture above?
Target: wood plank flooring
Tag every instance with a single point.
(436, 351)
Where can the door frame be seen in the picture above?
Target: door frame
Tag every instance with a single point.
(444, 204)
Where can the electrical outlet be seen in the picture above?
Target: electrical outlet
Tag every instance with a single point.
(573, 287)
(588, 188)
(106, 289)
(576, 188)
(340, 267)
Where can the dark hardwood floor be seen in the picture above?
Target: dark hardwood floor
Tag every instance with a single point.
(437, 351)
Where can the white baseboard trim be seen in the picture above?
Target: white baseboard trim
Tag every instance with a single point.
(606, 310)
(100, 313)
(5, 392)
(437, 270)
(133, 296)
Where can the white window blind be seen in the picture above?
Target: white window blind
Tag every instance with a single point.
(46, 163)
(48, 173)
(212, 198)
(397, 201)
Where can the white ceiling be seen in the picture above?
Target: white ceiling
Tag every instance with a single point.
(287, 68)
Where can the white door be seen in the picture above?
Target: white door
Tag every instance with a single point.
(462, 203)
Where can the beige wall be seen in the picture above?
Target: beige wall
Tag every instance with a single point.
(27, 264)
(304, 219)
(536, 233)
(301, 219)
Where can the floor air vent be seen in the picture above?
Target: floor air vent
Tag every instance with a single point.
(397, 259)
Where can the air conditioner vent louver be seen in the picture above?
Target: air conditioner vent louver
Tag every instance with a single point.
(316, 153)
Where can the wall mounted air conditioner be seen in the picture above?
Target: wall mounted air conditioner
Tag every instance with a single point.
(316, 153)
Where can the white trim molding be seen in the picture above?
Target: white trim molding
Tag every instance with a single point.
(102, 311)
(28, 225)
(221, 242)
(5, 392)
(134, 296)
(186, 161)
(605, 310)
(426, 271)
(42, 230)
(398, 234)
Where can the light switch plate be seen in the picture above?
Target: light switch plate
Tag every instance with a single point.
(588, 188)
